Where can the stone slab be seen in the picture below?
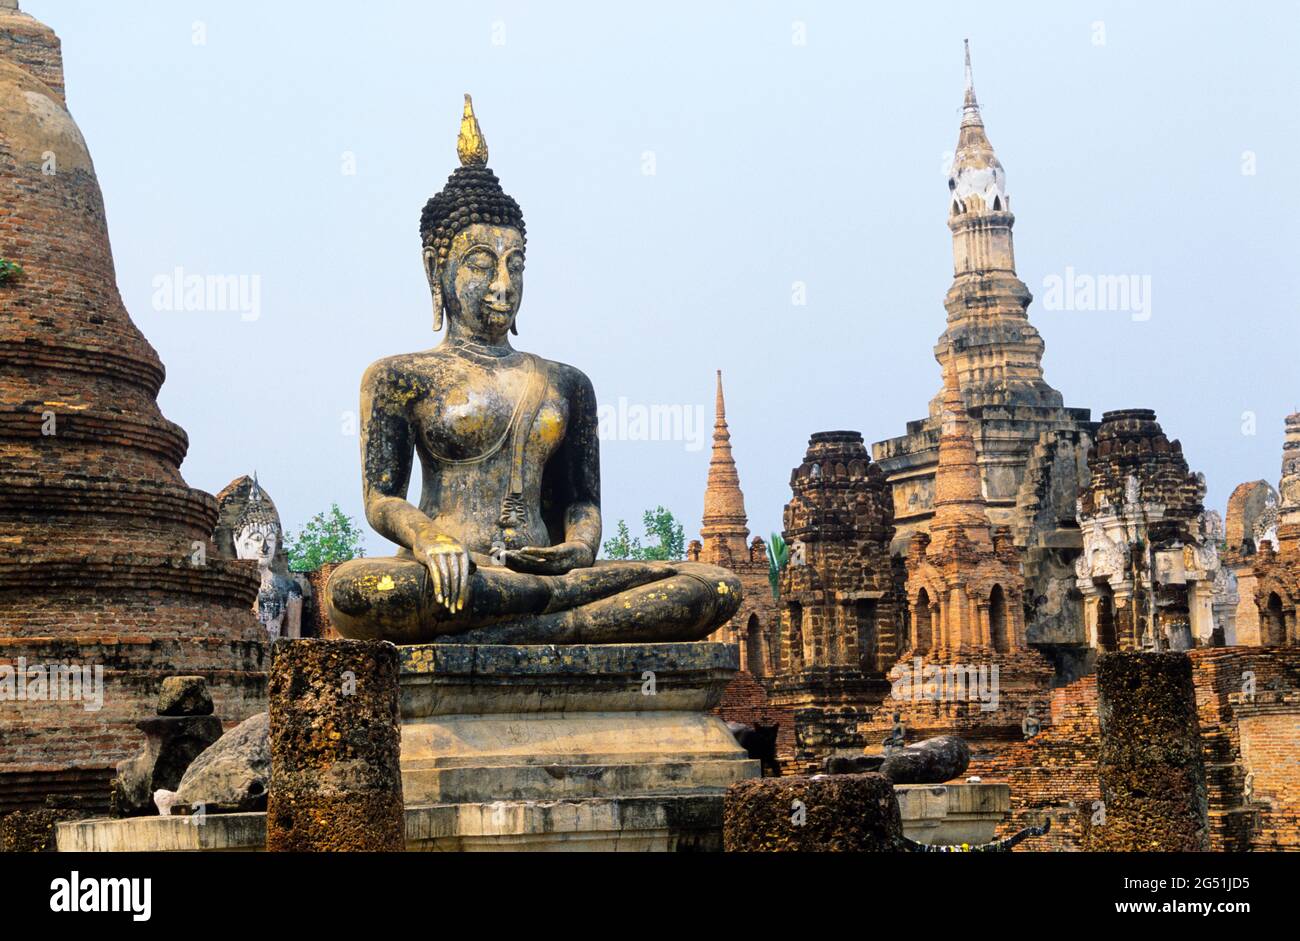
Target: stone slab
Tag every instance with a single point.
(952, 814)
(668, 823)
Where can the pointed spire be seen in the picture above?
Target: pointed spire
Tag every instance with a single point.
(970, 80)
(970, 110)
(471, 146)
(958, 494)
(725, 520)
(976, 170)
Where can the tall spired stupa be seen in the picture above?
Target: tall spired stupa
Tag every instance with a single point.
(106, 558)
(1031, 450)
(996, 351)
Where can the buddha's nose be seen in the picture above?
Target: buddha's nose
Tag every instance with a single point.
(502, 284)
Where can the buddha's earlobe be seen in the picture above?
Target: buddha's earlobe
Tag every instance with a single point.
(435, 286)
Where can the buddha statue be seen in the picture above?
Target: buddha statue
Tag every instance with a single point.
(257, 535)
(502, 546)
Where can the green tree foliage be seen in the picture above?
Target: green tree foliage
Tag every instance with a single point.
(661, 526)
(9, 270)
(328, 537)
(778, 557)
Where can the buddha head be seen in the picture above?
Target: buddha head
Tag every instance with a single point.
(257, 531)
(474, 240)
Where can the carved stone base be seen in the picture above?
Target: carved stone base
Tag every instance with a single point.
(490, 724)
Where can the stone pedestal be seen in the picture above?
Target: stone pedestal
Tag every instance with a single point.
(592, 747)
(1150, 766)
(846, 813)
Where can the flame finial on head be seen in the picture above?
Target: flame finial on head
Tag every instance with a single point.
(471, 146)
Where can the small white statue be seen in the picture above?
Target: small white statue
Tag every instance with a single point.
(257, 537)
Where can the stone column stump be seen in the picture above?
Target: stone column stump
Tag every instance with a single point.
(848, 813)
(1150, 768)
(336, 780)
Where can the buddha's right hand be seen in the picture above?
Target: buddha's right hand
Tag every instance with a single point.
(449, 566)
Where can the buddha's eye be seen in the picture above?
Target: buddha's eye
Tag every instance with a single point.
(516, 265)
(480, 261)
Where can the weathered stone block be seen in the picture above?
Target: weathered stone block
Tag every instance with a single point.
(855, 813)
(335, 777)
(1151, 770)
(184, 696)
(171, 744)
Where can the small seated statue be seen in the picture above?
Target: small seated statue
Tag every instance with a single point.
(502, 547)
(258, 535)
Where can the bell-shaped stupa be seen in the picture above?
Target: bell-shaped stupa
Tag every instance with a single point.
(106, 558)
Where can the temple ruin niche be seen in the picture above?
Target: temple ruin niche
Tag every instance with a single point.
(1151, 552)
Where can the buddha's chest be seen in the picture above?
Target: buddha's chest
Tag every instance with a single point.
(477, 418)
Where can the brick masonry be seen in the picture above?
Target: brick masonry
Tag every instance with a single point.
(105, 551)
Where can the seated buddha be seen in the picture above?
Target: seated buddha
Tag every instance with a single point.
(502, 546)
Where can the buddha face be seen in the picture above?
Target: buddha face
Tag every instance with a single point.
(483, 279)
(257, 542)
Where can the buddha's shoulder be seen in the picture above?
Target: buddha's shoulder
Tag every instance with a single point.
(407, 368)
(568, 378)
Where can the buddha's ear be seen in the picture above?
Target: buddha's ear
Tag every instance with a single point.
(435, 285)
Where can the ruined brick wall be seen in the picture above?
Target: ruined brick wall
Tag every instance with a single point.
(755, 626)
(1249, 691)
(1053, 775)
(745, 700)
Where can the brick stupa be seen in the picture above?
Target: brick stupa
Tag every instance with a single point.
(105, 552)
(725, 542)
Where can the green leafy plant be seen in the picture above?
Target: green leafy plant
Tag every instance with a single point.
(661, 526)
(778, 557)
(328, 537)
(9, 270)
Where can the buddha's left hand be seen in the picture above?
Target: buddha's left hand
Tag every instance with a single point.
(550, 560)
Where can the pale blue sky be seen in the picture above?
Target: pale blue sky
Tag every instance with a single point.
(775, 163)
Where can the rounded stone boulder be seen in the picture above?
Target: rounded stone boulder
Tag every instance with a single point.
(232, 776)
(846, 813)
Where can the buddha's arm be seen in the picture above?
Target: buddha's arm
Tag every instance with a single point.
(580, 470)
(387, 451)
(570, 492)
